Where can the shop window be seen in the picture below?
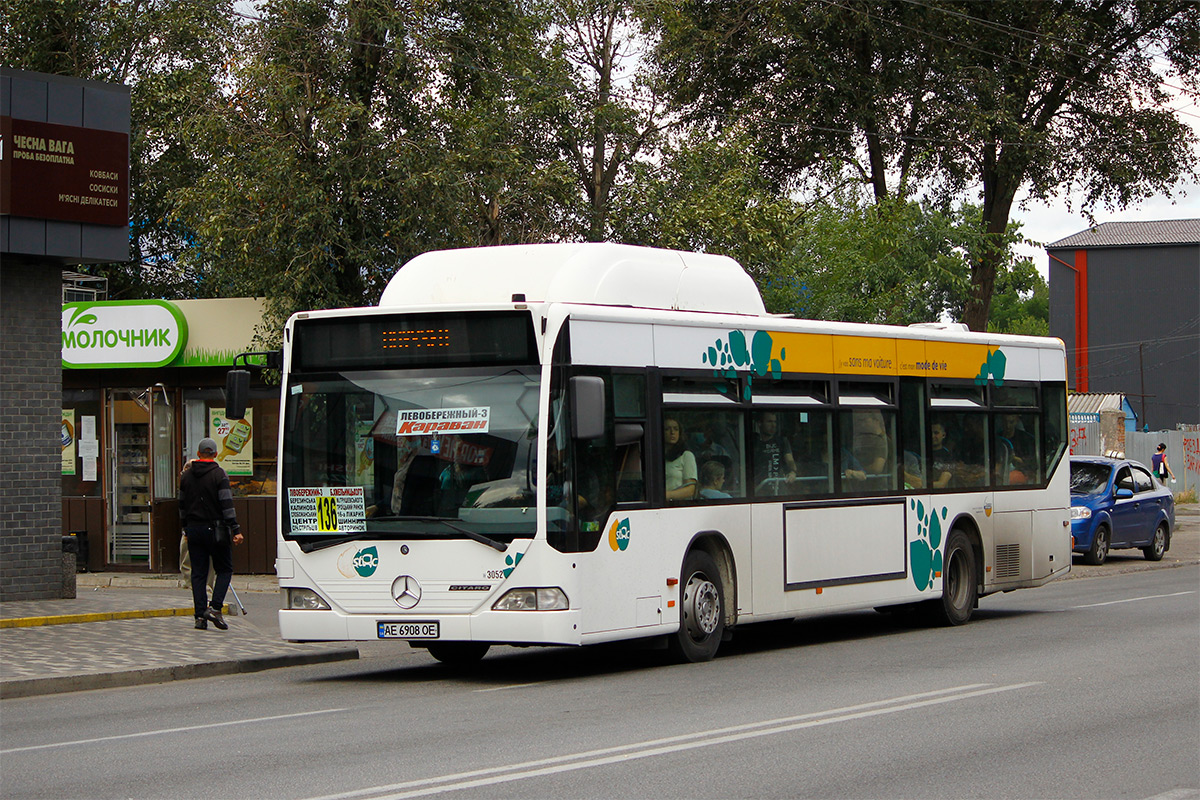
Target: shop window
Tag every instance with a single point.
(82, 443)
(247, 447)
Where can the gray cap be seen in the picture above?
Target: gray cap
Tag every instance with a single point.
(206, 446)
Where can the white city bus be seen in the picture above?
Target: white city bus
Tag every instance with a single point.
(568, 444)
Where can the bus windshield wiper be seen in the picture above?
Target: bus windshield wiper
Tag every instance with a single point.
(470, 534)
(308, 547)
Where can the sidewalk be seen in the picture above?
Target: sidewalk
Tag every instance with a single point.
(125, 629)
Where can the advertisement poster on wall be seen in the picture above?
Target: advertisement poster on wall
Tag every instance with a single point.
(68, 441)
(235, 441)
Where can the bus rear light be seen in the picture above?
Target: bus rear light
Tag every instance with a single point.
(305, 600)
(531, 599)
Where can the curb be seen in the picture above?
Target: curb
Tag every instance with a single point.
(98, 616)
(33, 687)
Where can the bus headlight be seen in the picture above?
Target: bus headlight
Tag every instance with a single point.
(1081, 512)
(305, 599)
(531, 599)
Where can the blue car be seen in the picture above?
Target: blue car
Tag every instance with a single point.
(1116, 503)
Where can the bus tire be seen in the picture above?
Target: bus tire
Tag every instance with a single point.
(458, 654)
(701, 610)
(1098, 552)
(960, 582)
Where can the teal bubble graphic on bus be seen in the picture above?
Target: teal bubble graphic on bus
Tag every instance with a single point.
(924, 552)
(726, 356)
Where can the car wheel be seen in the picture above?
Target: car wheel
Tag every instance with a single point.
(1098, 552)
(960, 583)
(1158, 545)
(458, 654)
(701, 613)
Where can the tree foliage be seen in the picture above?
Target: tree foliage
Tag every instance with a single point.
(955, 96)
(172, 55)
(860, 157)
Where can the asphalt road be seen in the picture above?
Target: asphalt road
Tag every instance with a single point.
(1079, 689)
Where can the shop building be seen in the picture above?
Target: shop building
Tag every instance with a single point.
(142, 383)
(64, 201)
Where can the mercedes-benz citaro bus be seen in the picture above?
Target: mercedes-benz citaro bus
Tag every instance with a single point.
(567, 444)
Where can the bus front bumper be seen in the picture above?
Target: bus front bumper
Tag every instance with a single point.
(514, 627)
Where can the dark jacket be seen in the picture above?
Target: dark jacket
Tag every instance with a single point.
(205, 497)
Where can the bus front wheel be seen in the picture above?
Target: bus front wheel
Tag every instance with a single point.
(701, 613)
(960, 582)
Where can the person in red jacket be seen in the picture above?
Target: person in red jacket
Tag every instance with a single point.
(208, 520)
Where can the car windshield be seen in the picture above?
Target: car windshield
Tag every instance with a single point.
(1089, 478)
(432, 453)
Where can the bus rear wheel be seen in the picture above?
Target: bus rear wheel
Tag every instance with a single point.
(701, 610)
(960, 583)
(458, 654)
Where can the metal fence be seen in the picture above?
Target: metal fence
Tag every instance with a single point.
(1083, 438)
(1183, 454)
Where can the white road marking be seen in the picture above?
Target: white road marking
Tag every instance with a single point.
(506, 688)
(672, 744)
(1177, 794)
(1134, 599)
(172, 730)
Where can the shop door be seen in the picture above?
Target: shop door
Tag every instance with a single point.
(164, 511)
(129, 529)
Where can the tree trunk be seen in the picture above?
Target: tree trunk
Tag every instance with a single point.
(998, 194)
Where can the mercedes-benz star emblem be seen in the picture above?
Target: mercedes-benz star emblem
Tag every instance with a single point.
(406, 591)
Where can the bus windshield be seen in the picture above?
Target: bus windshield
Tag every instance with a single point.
(443, 453)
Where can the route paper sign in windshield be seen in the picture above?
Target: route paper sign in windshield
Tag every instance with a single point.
(429, 421)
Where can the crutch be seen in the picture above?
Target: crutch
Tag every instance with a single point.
(239, 600)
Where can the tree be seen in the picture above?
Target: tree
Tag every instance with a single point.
(1050, 97)
(708, 195)
(172, 56)
(606, 126)
(1021, 304)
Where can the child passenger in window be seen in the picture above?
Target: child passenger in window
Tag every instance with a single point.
(680, 462)
(712, 481)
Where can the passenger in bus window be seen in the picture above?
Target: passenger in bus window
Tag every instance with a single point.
(1020, 447)
(713, 439)
(772, 453)
(914, 473)
(940, 458)
(680, 463)
(871, 446)
(712, 481)
(971, 452)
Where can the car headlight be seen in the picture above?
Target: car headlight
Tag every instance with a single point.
(1081, 512)
(531, 599)
(306, 600)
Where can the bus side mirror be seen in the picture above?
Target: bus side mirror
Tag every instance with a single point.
(237, 393)
(587, 407)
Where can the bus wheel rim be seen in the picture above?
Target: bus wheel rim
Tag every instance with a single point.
(701, 607)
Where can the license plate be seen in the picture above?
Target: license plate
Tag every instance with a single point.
(408, 630)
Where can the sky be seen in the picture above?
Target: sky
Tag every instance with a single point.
(1046, 223)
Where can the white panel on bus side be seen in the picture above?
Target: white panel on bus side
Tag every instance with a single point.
(614, 344)
(1054, 365)
(835, 543)
(1021, 363)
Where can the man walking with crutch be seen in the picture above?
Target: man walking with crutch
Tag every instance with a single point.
(210, 524)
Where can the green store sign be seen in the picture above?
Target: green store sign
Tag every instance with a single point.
(122, 333)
